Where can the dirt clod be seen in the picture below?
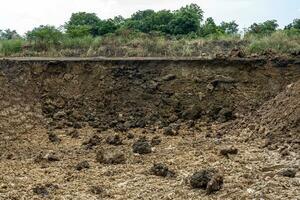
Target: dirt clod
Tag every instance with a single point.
(161, 169)
(207, 179)
(130, 135)
(170, 131)
(141, 146)
(40, 190)
(110, 157)
(73, 133)
(155, 141)
(214, 184)
(288, 173)
(82, 165)
(98, 190)
(228, 150)
(114, 140)
(92, 141)
(201, 178)
(53, 137)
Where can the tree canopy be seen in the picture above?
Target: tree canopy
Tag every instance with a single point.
(187, 20)
(264, 28)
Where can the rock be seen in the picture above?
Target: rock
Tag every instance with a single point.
(141, 146)
(111, 157)
(228, 150)
(93, 141)
(53, 137)
(114, 140)
(82, 165)
(207, 179)
(168, 77)
(288, 173)
(161, 170)
(155, 141)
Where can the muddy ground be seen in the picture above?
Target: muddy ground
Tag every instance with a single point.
(93, 129)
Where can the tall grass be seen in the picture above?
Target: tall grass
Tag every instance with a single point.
(129, 44)
(9, 47)
(283, 42)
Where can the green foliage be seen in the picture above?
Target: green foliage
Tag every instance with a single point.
(209, 28)
(141, 15)
(229, 27)
(8, 47)
(107, 26)
(265, 28)
(85, 22)
(79, 31)
(294, 25)
(44, 36)
(149, 33)
(77, 42)
(186, 20)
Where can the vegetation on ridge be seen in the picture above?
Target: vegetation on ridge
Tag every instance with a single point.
(183, 32)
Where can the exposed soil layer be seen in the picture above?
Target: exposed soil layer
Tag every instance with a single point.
(79, 129)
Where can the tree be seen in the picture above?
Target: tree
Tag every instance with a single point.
(229, 27)
(209, 28)
(85, 22)
(107, 26)
(9, 34)
(186, 20)
(294, 25)
(141, 15)
(79, 31)
(44, 36)
(264, 28)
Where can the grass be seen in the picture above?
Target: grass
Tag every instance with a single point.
(281, 42)
(11, 47)
(129, 44)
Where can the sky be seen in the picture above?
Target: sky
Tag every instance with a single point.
(23, 15)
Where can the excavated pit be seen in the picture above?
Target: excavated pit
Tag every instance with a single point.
(142, 97)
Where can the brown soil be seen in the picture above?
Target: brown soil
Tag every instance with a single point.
(69, 128)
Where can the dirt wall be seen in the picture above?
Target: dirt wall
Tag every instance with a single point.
(130, 93)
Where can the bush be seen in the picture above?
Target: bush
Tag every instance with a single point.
(44, 37)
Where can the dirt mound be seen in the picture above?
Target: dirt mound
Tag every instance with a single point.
(280, 117)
